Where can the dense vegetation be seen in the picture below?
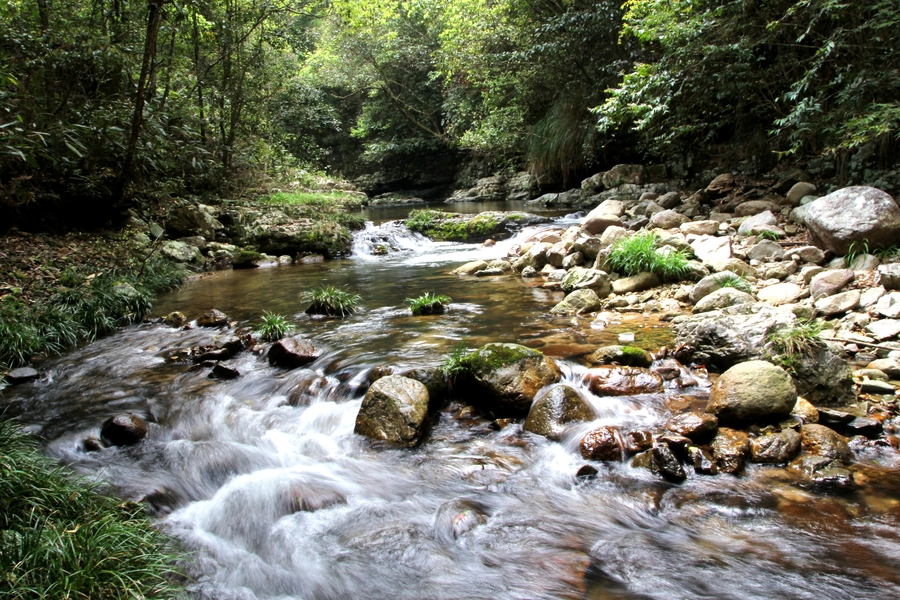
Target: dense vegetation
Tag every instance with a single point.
(60, 538)
(103, 103)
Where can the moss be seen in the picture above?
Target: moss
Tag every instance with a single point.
(450, 228)
(494, 356)
(632, 351)
(244, 259)
(482, 225)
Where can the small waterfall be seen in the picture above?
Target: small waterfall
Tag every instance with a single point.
(386, 239)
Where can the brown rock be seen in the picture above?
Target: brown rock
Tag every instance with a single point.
(730, 448)
(775, 448)
(293, 352)
(823, 441)
(123, 430)
(623, 381)
(602, 443)
(695, 425)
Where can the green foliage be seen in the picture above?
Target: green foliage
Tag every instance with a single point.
(428, 303)
(60, 538)
(889, 253)
(733, 280)
(786, 346)
(767, 234)
(273, 327)
(638, 253)
(855, 250)
(455, 364)
(331, 200)
(331, 301)
(444, 226)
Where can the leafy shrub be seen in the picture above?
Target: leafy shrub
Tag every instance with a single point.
(428, 303)
(638, 254)
(60, 538)
(331, 301)
(274, 326)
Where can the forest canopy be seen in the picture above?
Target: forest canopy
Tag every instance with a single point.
(105, 101)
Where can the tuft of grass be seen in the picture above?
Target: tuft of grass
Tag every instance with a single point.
(331, 301)
(428, 304)
(767, 235)
(786, 346)
(638, 254)
(456, 363)
(60, 538)
(856, 249)
(886, 254)
(273, 327)
(735, 281)
(333, 199)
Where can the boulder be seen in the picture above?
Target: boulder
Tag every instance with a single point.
(853, 215)
(193, 220)
(766, 250)
(890, 275)
(669, 200)
(830, 282)
(754, 207)
(760, 222)
(123, 430)
(180, 252)
(293, 352)
(780, 293)
(619, 174)
(824, 441)
(722, 298)
(822, 377)
(667, 219)
(697, 426)
(522, 186)
(809, 254)
(603, 443)
(699, 228)
(175, 319)
(889, 305)
(722, 185)
(394, 410)
(799, 191)
(730, 448)
(752, 391)
(775, 447)
(838, 303)
(511, 375)
(578, 302)
(622, 381)
(555, 409)
(628, 356)
(21, 375)
(596, 225)
(470, 268)
(581, 278)
(710, 284)
(213, 318)
(636, 283)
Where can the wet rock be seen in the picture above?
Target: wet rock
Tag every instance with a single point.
(586, 472)
(222, 372)
(805, 411)
(752, 391)
(864, 426)
(622, 381)
(293, 352)
(775, 448)
(555, 409)
(628, 356)
(876, 387)
(822, 377)
(636, 283)
(730, 448)
(92, 444)
(212, 354)
(637, 440)
(697, 426)
(602, 443)
(512, 374)
(123, 430)
(722, 298)
(394, 410)
(834, 480)
(433, 378)
(22, 375)
(580, 278)
(852, 215)
(175, 319)
(458, 517)
(578, 302)
(702, 460)
(888, 366)
(824, 441)
(666, 464)
(834, 418)
(213, 318)
(470, 268)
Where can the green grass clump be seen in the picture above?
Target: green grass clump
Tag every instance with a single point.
(317, 199)
(767, 235)
(735, 281)
(456, 364)
(331, 301)
(60, 538)
(428, 303)
(639, 254)
(786, 346)
(273, 327)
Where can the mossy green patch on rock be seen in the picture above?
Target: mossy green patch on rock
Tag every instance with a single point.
(494, 356)
(510, 376)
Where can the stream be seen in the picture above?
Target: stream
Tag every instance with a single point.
(262, 479)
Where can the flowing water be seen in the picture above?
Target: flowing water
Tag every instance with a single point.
(264, 481)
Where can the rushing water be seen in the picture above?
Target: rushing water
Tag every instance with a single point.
(264, 481)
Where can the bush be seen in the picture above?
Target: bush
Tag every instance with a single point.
(331, 301)
(428, 304)
(638, 254)
(60, 538)
(274, 327)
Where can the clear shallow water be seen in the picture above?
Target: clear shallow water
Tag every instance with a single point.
(264, 481)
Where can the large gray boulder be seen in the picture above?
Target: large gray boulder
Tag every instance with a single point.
(556, 409)
(752, 391)
(394, 411)
(578, 302)
(722, 298)
(854, 215)
(580, 278)
(511, 375)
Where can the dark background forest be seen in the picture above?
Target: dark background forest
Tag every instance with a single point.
(105, 104)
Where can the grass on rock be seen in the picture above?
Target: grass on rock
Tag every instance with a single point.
(331, 301)
(273, 327)
(61, 538)
(428, 303)
(638, 254)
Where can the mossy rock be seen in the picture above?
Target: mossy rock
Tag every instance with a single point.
(246, 259)
(511, 375)
(627, 356)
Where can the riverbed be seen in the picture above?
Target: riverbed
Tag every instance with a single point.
(262, 479)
